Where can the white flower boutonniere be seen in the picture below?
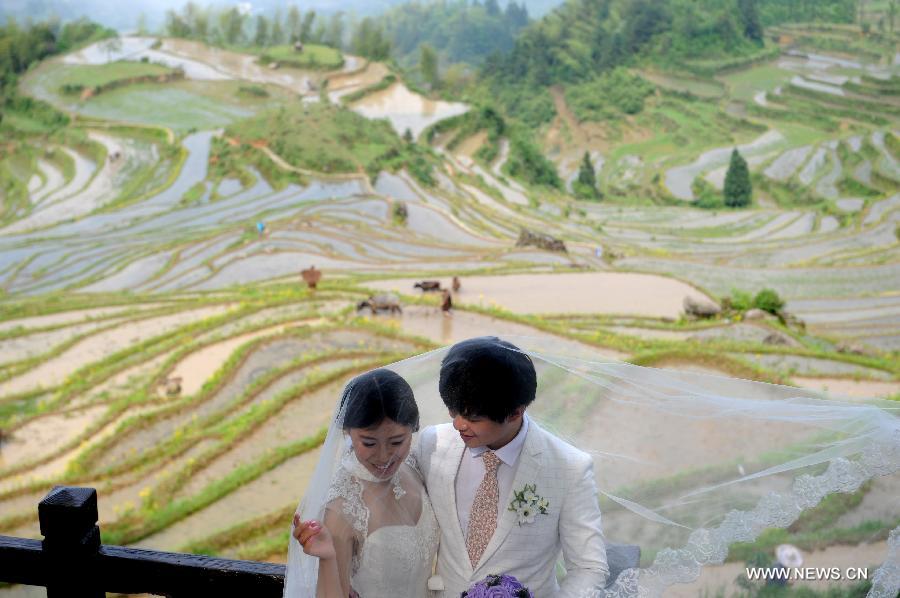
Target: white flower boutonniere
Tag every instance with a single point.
(526, 504)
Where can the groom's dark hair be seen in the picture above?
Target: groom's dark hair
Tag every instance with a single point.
(487, 377)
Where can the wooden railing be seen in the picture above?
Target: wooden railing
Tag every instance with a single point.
(72, 562)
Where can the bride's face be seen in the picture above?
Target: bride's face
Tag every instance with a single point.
(382, 448)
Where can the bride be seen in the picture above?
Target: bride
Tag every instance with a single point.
(377, 535)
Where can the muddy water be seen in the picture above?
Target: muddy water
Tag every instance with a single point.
(301, 418)
(99, 53)
(862, 389)
(46, 435)
(273, 490)
(618, 293)
(198, 367)
(95, 348)
(54, 180)
(102, 188)
(70, 317)
(84, 170)
(57, 466)
(405, 109)
(111, 504)
(343, 84)
(430, 323)
(32, 345)
(245, 67)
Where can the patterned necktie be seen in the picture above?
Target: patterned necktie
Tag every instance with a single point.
(483, 516)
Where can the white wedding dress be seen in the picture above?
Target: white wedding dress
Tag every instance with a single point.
(395, 531)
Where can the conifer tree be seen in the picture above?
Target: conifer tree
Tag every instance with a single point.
(428, 65)
(750, 19)
(738, 189)
(585, 185)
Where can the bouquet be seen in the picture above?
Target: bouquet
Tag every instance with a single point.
(498, 586)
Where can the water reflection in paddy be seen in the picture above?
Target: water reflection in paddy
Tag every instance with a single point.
(427, 221)
(405, 109)
(263, 267)
(391, 185)
(133, 274)
(359, 209)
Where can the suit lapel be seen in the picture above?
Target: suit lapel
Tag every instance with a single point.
(450, 456)
(526, 473)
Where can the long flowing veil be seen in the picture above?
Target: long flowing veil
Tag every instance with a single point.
(692, 468)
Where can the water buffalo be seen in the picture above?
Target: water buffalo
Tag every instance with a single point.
(428, 285)
(381, 303)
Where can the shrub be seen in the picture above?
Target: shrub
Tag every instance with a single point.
(528, 163)
(741, 300)
(253, 90)
(608, 96)
(768, 300)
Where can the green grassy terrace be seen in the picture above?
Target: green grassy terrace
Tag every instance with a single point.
(312, 57)
(102, 74)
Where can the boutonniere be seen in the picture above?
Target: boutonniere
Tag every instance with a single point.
(527, 504)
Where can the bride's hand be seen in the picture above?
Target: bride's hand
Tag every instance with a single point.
(314, 538)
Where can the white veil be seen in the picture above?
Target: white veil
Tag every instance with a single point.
(688, 465)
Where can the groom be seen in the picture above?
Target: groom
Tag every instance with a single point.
(509, 497)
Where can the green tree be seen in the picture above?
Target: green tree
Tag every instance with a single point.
(112, 46)
(142, 24)
(175, 25)
(196, 24)
(738, 189)
(428, 66)
(232, 23)
(585, 186)
(750, 20)
(335, 35)
(306, 28)
(277, 36)
(261, 39)
(370, 41)
(768, 300)
(201, 25)
(293, 23)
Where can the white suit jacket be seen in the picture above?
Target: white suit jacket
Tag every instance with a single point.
(564, 476)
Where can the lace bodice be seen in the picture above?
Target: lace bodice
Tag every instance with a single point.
(393, 560)
(396, 559)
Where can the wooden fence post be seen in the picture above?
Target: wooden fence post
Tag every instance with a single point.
(71, 542)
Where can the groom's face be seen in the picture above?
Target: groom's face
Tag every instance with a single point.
(477, 431)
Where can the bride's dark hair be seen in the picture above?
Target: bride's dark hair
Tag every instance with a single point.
(487, 377)
(381, 394)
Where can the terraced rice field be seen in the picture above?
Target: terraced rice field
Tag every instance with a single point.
(138, 260)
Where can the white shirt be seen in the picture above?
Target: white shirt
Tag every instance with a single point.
(471, 472)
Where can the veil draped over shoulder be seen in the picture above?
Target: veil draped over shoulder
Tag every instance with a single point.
(693, 468)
